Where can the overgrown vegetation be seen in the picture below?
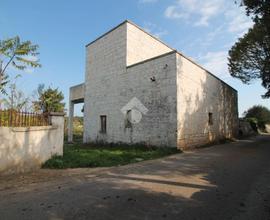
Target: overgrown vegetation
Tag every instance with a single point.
(79, 155)
(77, 129)
(49, 100)
(258, 116)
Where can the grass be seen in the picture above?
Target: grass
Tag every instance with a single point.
(79, 155)
(77, 129)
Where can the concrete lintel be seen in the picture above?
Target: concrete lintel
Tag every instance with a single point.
(76, 93)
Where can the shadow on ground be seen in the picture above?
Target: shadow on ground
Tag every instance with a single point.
(221, 182)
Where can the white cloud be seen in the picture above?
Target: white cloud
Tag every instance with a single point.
(200, 13)
(238, 21)
(173, 12)
(216, 63)
(154, 30)
(197, 11)
(160, 34)
(226, 20)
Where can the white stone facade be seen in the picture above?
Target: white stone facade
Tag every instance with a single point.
(142, 46)
(199, 93)
(127, 62)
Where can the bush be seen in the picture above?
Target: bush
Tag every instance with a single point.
(258, 115)
(253, 123)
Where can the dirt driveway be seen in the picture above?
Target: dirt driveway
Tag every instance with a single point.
(229, 181)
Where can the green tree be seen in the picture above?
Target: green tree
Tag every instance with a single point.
(18, 54)
(49, 100)
(249, 58)
(258, 114)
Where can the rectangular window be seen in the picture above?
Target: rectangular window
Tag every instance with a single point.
(103, 124)
(127, 121)
(210, 118)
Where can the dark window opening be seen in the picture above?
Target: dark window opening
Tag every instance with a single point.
(103, 123)
(127, 121)
(210, 118)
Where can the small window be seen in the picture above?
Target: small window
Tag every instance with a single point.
(127, 120)
(103, 124)
(210, 118)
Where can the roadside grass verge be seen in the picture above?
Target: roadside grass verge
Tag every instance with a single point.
(80, 155)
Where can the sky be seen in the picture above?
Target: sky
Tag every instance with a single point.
(203, 30)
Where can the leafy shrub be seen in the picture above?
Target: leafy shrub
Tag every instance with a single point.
(258, 115)
(253, 123)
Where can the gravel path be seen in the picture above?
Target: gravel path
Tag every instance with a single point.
(229, 181)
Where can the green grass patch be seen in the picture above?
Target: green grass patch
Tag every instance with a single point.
(79, 155)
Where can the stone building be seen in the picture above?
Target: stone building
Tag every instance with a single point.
(139, 90)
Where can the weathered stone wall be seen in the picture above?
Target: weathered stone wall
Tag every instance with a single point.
(142, 46)
(105, 61)
(198, 94)
(110, 85)
(158, 125)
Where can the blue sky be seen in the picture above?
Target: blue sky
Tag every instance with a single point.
(201, 29)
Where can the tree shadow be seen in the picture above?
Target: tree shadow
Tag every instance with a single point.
(207, 108)
(211, 183)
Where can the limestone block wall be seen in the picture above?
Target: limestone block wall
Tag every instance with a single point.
(199, 94)
(105, 61)
(158, 126)
(142, 46)
(25, 148)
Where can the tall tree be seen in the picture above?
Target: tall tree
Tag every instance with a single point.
(17, 53)
(49, 100)
(249, 58)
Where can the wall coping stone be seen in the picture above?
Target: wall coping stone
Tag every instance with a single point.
(34, 128)
(57, 113)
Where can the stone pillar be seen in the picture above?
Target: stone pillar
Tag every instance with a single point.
(58, 121)
(70, 121)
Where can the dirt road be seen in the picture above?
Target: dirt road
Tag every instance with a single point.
(229, 181)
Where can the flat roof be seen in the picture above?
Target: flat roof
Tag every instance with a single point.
(173, 50)
(130, 22)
